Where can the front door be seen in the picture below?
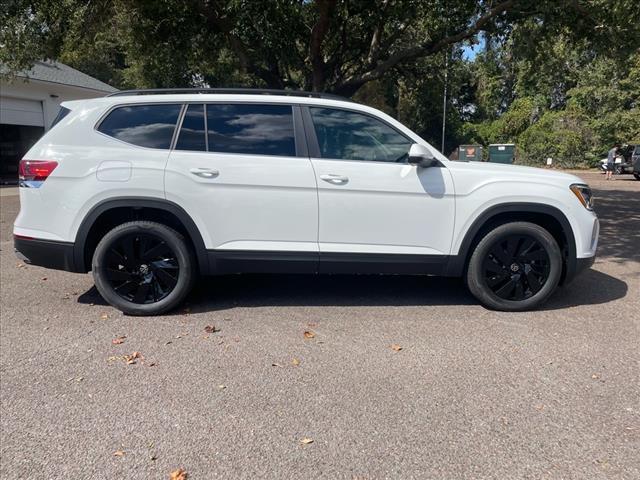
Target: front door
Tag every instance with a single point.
(377, 213)
(244, 177)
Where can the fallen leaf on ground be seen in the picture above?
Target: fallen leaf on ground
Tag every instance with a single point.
(104, 316)
(178, 474)
(118, 453)
(276, 365)
(396, 347)
(295, 362)
(222, 387)
(306, 441)
(309, 334)
(44, 278)
(118, 340)
(131, 359)
(211, 329)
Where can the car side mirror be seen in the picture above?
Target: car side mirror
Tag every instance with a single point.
(421, 156)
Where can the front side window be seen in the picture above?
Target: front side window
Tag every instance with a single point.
(251, 129)
(148, 126)
(192, 136)
(347, 135)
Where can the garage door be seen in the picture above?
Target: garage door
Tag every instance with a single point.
(18, 111)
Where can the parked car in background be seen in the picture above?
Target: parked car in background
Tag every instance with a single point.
(635, 161)
(623, 161)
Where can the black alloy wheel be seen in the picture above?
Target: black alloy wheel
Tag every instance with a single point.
(516, 267)
(142, 268)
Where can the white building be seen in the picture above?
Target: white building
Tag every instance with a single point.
(29, 102)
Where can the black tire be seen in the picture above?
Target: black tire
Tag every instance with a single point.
(143, 268)
(515, 267)
(637, 175)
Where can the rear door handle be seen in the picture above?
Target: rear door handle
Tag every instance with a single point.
(204, 172)
(334, 179)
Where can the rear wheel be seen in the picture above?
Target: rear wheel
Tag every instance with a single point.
(143, 268)
(516, 266)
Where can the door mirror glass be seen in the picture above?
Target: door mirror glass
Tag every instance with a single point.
(421, 156)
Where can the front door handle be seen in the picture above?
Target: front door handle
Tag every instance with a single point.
(334, 179)
(204, 172)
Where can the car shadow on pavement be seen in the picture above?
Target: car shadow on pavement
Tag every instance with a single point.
(262, 290)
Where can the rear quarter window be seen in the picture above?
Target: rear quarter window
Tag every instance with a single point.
(63, 112)
(149, 126)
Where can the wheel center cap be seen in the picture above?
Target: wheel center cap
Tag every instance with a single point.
(144, 269)
(514, 267)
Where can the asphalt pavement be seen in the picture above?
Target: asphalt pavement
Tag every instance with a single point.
(395, 377)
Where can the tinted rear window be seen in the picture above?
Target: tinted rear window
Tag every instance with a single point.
(148, 126)
(192, 135)
(63, 112)
(251, 129)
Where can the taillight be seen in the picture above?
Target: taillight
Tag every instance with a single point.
(32, 173)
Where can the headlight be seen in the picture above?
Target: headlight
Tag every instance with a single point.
(583, 192)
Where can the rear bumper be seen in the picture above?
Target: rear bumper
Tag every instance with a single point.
(45, 253)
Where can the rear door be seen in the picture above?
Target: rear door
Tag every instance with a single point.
(242, 172)
(377, 213)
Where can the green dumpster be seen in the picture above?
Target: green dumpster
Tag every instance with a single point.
(501, 152)
(470, 153)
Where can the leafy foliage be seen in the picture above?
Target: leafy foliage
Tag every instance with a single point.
(558, 78)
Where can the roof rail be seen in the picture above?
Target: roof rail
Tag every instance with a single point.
(238, 91)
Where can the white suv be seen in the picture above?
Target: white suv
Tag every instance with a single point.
(148, 189)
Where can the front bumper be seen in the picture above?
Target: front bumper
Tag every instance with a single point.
(45, 253)
(577, 266)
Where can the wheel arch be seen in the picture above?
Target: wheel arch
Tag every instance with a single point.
(547, 216)
(110, 213)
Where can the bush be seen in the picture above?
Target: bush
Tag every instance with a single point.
(564, 136)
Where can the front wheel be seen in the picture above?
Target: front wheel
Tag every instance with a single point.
(143, 268)
(515, 267)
